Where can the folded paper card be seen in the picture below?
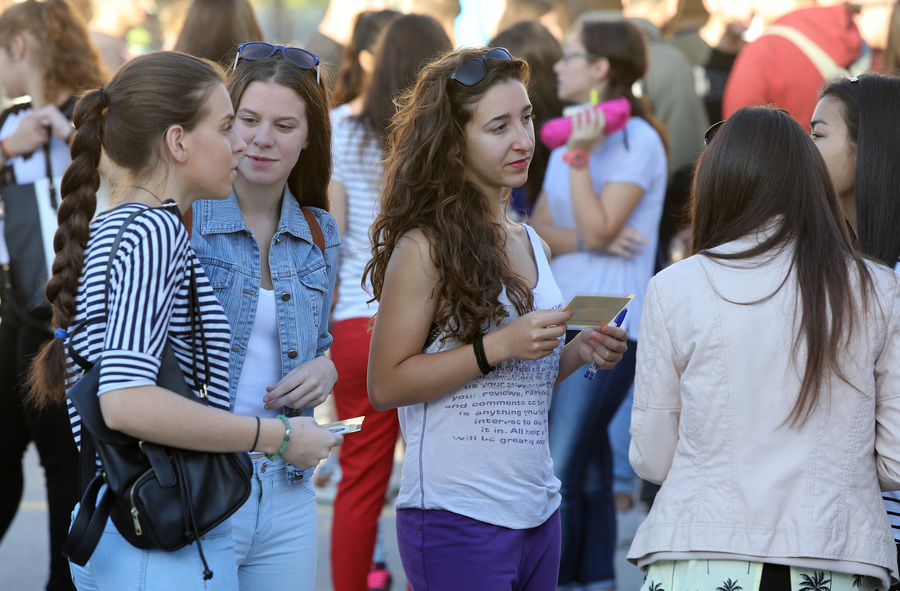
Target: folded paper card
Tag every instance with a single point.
(595, 310)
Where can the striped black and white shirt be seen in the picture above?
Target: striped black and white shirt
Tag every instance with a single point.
(147, 305)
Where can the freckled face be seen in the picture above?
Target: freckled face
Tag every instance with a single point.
(500, 138)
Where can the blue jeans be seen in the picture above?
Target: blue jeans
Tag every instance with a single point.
(625, 481)
(116, 565)
(582, 460)
(275, 532)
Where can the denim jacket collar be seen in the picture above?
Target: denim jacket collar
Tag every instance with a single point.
(228, 218)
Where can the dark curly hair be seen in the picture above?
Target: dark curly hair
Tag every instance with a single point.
(425, 187)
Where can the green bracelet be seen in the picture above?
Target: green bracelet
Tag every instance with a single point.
(287, 439)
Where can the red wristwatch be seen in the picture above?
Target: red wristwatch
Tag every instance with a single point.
(577, 158)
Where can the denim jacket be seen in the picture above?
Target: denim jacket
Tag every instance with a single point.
(303, 281)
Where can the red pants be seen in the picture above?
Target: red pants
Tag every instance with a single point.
(366, 458)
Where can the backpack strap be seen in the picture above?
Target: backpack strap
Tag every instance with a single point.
(821, 60)
(315, 228)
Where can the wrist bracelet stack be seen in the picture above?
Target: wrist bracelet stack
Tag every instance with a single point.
(287, 439)
(480, 357)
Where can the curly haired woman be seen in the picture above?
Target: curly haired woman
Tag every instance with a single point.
(478, 487)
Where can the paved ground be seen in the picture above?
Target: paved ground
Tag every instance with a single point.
(23, 551)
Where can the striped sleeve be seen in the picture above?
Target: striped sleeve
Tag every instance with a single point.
(892, 504)
(148, 270)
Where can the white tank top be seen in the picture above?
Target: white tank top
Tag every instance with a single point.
(481, 451)
(262, 365)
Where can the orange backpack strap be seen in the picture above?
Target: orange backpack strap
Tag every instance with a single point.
(315, 228)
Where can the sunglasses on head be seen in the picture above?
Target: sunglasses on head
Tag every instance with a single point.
(473, 71)
(258, 50)
(715, 127)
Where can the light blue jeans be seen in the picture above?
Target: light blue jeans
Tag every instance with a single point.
(116, 565)
(275, 532)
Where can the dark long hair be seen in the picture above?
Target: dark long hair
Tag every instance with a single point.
(870, 112)
(69, 59)
(425, 187)
(762, 169)
(127, 119)
(309, 178)
(214, 28)
(367, 29)
(625, 46)
(407, 44)
(532, 42)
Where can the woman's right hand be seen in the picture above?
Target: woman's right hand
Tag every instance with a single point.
(29, 135)
(532, 336)
(310, 443)
(588, 124)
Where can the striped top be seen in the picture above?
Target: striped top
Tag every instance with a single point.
(357, 157)
(147, 305)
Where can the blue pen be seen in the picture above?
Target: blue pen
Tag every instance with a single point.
(592, 370)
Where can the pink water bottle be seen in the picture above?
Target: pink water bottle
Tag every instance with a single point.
(556, 132)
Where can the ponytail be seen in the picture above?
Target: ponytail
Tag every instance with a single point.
(46, 374)
(624, 45)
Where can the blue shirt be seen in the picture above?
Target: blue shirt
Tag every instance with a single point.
(303, 279)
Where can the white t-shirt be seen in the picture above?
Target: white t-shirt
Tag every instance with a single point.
(642, 163)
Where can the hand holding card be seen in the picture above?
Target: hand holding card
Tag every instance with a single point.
(343, 427)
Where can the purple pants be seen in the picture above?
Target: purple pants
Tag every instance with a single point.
(441, 551)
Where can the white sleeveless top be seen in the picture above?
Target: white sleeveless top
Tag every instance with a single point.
(262, 366)
(481, 451)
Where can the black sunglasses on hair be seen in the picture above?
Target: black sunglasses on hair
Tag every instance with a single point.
(715, 127)
(473, 71)
(258, 50)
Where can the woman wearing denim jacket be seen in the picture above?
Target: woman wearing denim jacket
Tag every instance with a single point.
(276, 286)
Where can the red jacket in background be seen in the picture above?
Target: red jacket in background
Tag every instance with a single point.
(772, 70)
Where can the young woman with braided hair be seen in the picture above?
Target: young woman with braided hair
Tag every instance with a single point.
(165, 119)
(46, 54)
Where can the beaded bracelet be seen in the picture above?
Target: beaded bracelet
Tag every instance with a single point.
(287, 439)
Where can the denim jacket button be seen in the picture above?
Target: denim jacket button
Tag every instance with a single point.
(285, 297)
(292, 354)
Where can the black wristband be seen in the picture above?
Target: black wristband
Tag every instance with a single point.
(480, 357)
(256, 439)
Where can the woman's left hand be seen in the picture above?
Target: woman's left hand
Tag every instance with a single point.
(305, 386)
(50, 116)
(604, 346)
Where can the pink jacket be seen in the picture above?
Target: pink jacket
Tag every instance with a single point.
(715, 384)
